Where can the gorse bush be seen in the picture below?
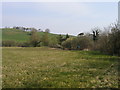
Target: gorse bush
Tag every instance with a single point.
(77, 43)
(67, 44)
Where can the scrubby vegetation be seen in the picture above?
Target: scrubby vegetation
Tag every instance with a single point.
(77, 43)
(98, 40)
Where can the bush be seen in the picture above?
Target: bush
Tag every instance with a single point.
(8, 43)
(68, 43)
(34, 39)
(85, 42)
(101, 44)
(45, 39)
(53, 42)
(24, 44)
(77, 43)
(109, 42)
(114, 42)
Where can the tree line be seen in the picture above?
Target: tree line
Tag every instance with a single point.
(106, 41)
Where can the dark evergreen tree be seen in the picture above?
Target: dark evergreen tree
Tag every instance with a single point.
(67, 36)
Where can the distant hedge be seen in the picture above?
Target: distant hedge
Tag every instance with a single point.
(11, 43)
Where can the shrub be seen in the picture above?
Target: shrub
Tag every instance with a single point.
(53, 42)
(8, 43)
(67, 44)
(109, 42)
(77, 43)
(114, 42)
(34, 39)
(45, 39)
(85, 42)
(24, 44)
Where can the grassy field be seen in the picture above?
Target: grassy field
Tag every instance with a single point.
(13, 34)
(21, 36)
(44, 67)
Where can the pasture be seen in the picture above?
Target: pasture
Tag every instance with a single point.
(43, 67)
(21, 36)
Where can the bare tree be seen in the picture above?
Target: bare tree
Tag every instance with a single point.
(47, 30)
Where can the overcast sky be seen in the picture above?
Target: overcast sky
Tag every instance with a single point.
(60, 17)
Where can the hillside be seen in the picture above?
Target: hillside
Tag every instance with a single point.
(21, 36)
(14, 34)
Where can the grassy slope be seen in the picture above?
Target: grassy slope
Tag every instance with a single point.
(47, 67)
(21, 36)
(13, 34)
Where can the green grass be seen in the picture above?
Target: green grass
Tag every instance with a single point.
(44, 67)
(21, 36)
(15, 35)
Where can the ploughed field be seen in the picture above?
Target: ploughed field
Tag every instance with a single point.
(43, 67)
